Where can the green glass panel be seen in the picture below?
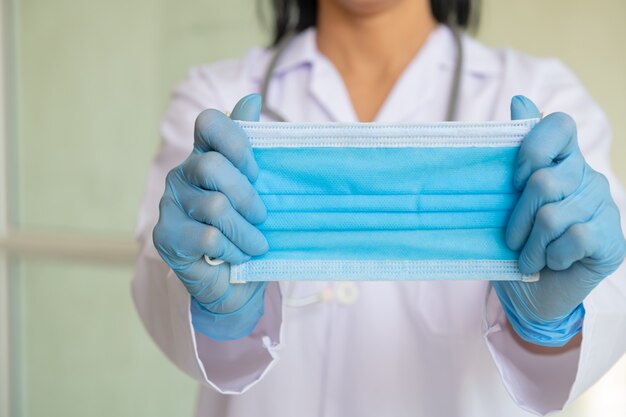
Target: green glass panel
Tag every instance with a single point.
(93, 79)
(83, 350)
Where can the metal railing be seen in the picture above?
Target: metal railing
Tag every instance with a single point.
(76, 247)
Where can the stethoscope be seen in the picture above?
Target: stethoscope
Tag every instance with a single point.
(345, 293)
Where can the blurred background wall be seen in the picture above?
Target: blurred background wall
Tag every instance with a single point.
(86, 84)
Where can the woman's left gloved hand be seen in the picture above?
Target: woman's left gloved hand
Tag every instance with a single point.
(566, 225)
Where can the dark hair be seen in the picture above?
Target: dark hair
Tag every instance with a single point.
(297, 15)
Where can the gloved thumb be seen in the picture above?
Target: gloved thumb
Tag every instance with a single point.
(523, 108)
(248, 108)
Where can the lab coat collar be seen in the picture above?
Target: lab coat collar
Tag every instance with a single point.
(479, 59)
(301, 50)
(409, 93)
(416, 86)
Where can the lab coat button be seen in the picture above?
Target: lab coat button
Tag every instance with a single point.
(347, 293)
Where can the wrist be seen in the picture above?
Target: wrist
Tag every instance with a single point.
(228, 326)
(533, 329)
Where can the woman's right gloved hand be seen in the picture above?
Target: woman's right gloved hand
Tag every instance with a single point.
(210, 208)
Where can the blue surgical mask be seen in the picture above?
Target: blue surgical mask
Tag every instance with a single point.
(361, 201)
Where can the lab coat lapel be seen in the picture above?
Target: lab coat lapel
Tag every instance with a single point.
(416, 92)
(328, 89)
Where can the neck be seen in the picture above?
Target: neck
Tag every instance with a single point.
(374, 41)
(371, 48)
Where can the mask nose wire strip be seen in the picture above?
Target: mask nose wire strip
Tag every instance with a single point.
(386, 135)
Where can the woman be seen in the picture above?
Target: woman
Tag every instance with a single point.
(382, 348)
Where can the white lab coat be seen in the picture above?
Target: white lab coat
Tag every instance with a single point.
(378, 348)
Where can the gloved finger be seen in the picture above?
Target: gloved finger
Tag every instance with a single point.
(572, 246)
(169, 233)
(181, 240)
(611, 250)
(591, 244)
(212, 171)
(552, 140)
(204, 282)
(214, 131)
(248, 108)
(239, 296)
(523, 108)
(552, 221)
(213, 208)
(211, 286)
(217, 246)
(546, 185)
(596, 243)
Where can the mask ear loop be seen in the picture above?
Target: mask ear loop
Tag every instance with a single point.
(212, 261)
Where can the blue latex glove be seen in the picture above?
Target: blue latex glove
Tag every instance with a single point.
(566, 226)
(210, 208)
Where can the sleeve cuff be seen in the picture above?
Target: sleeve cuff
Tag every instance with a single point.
(555, 333)
(543, 383)
(539, 383)
(228, 367)
(234, 366)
